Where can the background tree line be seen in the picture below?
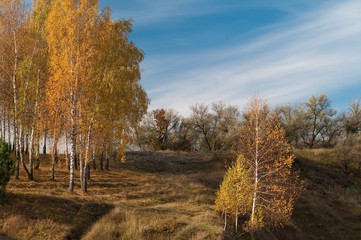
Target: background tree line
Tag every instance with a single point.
(207, 129)
(67, 71)
(310, 124)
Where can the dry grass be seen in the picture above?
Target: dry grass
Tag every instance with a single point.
(170, 196)
(152, 196)
(330, 205)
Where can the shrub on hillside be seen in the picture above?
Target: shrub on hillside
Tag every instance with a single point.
(5, 168)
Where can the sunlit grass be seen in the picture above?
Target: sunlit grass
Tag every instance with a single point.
(171, 196)
(131, 201)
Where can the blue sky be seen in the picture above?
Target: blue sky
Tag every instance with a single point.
(204, 51)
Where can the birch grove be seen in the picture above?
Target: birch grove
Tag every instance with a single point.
(67, 70)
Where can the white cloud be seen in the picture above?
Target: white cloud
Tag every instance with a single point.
(319, 51)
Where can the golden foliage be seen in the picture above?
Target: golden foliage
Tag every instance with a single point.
(269, 158)
(234, 197)
(260, 185)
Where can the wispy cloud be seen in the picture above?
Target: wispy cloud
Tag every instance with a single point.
(315, 52)
(146, 12)
(150, 12)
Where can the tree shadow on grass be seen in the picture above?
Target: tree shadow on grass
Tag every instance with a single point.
(87, 215)
(328, 207)
(80, 215)
(174, 163)
(4, 237)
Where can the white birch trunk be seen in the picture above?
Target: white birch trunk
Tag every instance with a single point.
(256, 177)
(31, 147)
(225, 221)
(37, 150)
(73, 135)
(87, 158)
(15, 99)
(67, 160)
(9, 128)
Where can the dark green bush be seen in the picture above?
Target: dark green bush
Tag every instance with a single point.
(6, 167)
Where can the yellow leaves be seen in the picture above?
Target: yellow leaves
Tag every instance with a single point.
(264, 176)
(258, 221)
(89, 68)
(234, 197)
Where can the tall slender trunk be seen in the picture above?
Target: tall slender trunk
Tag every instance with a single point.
(9, 128)
(2, 127)
(45, 139)
(76, 161)
(93, 159)
(73, 136)
(87, 158)
(14, 143)
(22, 137)
(21, 153)
(15, 149)
(255, 178)
(53, 166)
(106, 158)
(101, 159)
(81, 160)
(54, 155)
(26, 142)
(37, 150)
(81, 169)
(72, 159)
(236, 224)
(67, 159)
(3, 124)
(31, 147)
(85, 176)
(88, 171)
(15, 92)
(34, 125)
(225, 220)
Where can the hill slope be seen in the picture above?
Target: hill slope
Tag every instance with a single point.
(171, 196)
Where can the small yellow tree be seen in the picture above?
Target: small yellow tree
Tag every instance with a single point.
(234, 198)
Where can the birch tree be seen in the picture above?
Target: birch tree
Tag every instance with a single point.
(39, 72)
(120, 101)
(70, 36)
(12, 26)
(95, 78)
(234, 198)
(269, 158)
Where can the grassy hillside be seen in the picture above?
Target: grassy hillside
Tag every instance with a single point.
(330, 205)
(170, 196)
(152, 196)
